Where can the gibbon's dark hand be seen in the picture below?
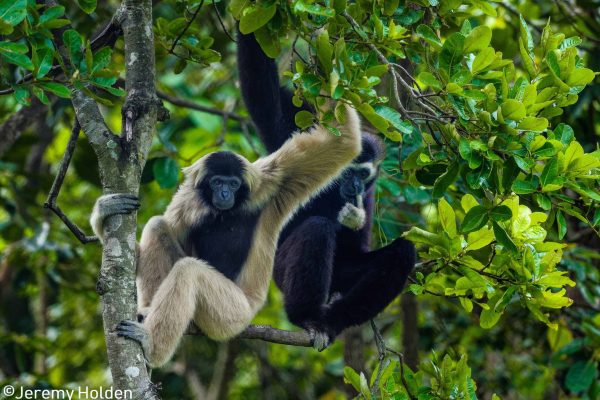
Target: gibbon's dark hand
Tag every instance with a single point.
(118, 203)
(134, 331)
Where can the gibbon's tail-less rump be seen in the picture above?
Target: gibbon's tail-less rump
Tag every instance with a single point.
(209, 258)
(329, 277)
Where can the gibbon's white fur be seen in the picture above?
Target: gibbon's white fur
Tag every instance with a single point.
(174, 288)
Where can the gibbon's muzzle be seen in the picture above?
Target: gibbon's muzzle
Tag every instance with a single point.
(351, 186)
(224, 189)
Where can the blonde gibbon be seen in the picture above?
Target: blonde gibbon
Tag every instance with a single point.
(209, 258)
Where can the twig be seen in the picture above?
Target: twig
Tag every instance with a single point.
(187, 26)
(268, 334)
(380, 343)
(194, 106)
(221, 22)
(58, 181)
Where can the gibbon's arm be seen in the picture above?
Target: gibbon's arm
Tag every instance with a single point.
(269, 104)
(310, 160)
(111, 204)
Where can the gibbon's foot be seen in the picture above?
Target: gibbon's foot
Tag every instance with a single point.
(118, 203)
(134, 331)
(142, 314)
(352, 217)
(319, 339)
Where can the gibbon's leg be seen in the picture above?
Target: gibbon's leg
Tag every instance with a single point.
(159, 251)
(303, 268)
(368, 285)
(303, 265)
(193, 289)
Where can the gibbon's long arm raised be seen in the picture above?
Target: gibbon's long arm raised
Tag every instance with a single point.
(329, 278)
(182, 273)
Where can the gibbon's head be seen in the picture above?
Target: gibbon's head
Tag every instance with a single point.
(360, 175)
(221, 180)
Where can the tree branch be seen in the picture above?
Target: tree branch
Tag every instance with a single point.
(268, 334)
(57, 184)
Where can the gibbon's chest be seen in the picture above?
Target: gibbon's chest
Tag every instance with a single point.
(224, 241)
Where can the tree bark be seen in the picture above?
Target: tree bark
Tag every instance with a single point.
(121, 160)
(410, 330)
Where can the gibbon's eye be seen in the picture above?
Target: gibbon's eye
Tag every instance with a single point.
(347, 173)
(364, 173)
(215, 182)
(235, 184)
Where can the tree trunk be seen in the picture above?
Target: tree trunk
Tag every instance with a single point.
(121, 160)
(410, 330)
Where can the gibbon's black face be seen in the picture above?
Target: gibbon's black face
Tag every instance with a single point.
(358, 177)
(355, 180)
(223, 185)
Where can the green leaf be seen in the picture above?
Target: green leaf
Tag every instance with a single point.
(489, 318)
(549, 175)
(394, 118)
(580, 77)
(339, 6)
(483, 60)
(451, 53)
(513, 109)
(525, 34)
(430, 80)
(445, 180)
(581, 376)
(427, 34)
(447, 217)
(501, 213)
(479, 239)
(166, 172)
(503, 238)
(374, 119)
(51, 13)
(573, 41)
(533, 124)
(18, 59)
(101, 59)
(88, 6)
(74, 43)
(324, 51)
(12, 12)
(561, 223)
(256, 17)
(56, 88)
(478, 39)
(475, 219)
(45, 63)
(304, 119)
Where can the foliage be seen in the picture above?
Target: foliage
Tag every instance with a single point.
(489, 111)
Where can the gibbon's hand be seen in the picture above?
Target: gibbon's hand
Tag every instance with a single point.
(352, 217)
(118, 203)
(134, 331)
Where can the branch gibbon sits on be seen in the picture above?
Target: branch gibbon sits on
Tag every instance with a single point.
(329, 277)
(209, 258)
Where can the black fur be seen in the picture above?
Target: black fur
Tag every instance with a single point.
(233, 228)
(234, 231)
(317, 256)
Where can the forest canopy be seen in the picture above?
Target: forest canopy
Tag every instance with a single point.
(490, 117)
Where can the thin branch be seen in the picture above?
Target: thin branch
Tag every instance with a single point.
(221, 22)
(187, 26)
(57, 184)
(194, 106)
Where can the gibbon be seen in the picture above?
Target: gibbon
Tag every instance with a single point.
(209, 258)
(329, 278)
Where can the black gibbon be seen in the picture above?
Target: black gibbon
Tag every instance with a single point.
(209, 258)
(329, 277)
